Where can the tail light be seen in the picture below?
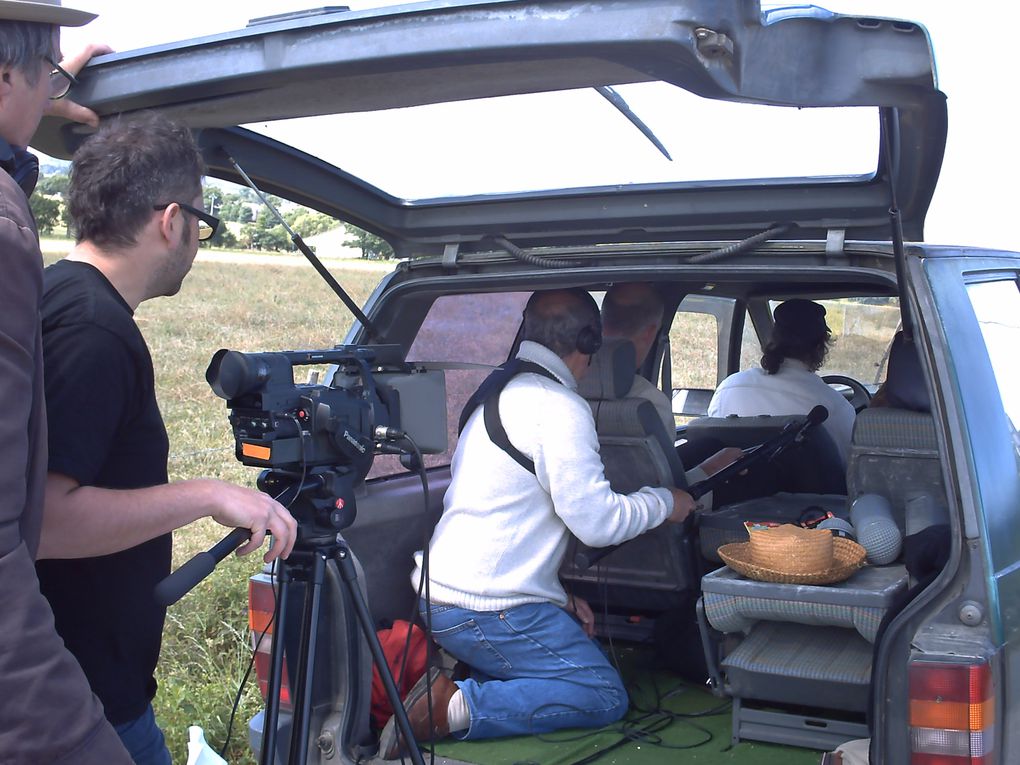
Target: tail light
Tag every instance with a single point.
(261, 604)
(952, 714)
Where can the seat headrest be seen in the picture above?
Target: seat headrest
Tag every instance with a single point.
(611, 374)
(905, 387)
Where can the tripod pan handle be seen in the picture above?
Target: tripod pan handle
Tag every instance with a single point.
(179, 583)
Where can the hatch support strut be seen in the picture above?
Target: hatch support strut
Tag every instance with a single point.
(889, 134)
(304, 249)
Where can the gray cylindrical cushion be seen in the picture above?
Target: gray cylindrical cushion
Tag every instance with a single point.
(876, 529)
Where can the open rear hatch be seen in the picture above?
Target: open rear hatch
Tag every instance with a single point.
(399, 62)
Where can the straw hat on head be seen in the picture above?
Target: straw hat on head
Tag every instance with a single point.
(43, 12)
(788, 554)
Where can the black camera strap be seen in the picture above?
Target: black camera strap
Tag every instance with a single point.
(487, 396)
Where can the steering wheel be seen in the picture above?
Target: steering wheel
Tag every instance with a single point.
(860, 396)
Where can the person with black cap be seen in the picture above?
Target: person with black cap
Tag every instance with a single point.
(787, 381)
(49, 713)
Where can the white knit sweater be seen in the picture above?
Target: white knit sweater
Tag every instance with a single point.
(504, 531)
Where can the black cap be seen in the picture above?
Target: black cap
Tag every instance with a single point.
(801, 317)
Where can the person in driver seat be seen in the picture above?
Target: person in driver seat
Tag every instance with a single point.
(787, 381)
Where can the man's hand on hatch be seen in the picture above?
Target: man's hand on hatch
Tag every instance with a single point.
(65, 107)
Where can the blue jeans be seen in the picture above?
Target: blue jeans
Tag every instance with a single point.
(144, 740)
(534, 670)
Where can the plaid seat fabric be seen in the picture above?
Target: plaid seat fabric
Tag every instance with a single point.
(828, 667)
(887, 428)
(736, 613)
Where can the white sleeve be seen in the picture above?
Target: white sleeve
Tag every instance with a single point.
(569, 468)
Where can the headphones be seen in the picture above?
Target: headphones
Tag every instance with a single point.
(589, 339)
(21, 165)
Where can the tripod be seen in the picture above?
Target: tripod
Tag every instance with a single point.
(322, 501)
(326, 494)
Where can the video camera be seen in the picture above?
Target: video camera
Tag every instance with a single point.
(320, 439)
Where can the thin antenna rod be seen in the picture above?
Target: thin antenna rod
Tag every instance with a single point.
(304, 249)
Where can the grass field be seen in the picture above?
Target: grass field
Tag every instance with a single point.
(206, 647)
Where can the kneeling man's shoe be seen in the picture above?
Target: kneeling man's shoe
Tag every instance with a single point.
(416, 703)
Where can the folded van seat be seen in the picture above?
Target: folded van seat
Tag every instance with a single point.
(800, 644)
(735, 604)
(804, 650)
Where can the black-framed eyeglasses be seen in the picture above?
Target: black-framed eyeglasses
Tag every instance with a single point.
(60, 80)
(207, 224)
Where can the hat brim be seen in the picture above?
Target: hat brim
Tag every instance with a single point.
(43, 13)
(847, 557)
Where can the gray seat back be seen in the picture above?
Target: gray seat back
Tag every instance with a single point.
(894, 451)
(648, 571)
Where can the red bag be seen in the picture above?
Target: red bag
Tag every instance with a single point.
(393, 641)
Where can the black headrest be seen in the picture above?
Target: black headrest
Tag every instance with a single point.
(905, 386)
(611, 374)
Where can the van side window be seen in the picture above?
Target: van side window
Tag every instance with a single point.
(698, 338)
(862, 332)
(997, 307)
(475, 328)
(750, 346)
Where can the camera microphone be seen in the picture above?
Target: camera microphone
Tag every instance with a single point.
(818, 415)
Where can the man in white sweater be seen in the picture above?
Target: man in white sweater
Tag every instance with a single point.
(496, 600)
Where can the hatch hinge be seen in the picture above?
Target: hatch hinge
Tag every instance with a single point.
(834, 241)
(450, 253)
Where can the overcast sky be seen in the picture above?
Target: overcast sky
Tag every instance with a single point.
(976, 199)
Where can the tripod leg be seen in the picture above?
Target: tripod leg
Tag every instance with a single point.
(349, 575)
(272, 716)
(306, 663)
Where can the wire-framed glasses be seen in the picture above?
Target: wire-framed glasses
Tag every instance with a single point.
(60, 80)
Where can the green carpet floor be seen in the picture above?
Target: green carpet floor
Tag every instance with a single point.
(670, 721)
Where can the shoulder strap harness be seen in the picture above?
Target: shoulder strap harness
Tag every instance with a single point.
(487, 396)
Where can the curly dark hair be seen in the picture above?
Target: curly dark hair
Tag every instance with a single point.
(127, 167)
(784, 344)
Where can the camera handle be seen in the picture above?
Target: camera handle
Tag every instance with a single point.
(310, 567)
(178, 584)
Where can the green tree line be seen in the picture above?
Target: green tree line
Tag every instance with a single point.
(258, 229)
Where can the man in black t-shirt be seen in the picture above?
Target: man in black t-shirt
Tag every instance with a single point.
(135, 198)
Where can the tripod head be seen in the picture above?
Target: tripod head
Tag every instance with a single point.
(321, 499)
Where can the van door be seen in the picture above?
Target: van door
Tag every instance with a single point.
(967, 324)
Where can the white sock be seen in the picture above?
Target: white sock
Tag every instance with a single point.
(457, 713)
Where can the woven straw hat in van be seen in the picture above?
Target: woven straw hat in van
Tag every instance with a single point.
(788, 554)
